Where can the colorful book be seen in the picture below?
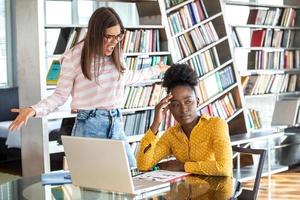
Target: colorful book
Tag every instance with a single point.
(56, 178)
(53, 73)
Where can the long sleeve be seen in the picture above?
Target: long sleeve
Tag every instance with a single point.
(152, 150)
(62, 91)
(222, 166)
(135, 76)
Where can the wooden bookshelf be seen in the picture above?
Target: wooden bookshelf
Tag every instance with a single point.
(191, 22)
(254, 4)
(263, 26)
(270, 50)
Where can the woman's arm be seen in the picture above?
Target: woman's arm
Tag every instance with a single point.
(46, 106)
(151, 149)
(62, 91)
(135, 76)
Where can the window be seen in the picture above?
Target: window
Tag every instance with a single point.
(127, 12)
(85, 10)
(59, 13)
(4, 46)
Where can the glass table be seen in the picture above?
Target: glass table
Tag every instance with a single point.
(192, 187)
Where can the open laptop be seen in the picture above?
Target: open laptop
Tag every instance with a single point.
(102, 164)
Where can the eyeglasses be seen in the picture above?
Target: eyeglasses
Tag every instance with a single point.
(111, 38)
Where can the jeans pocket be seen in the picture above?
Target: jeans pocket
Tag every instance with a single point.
(82, 116)
(80, 123)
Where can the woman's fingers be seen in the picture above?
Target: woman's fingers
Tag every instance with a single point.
(22, 118)
(165, 101)
(15, 110)
(15, 125)
(19, 125)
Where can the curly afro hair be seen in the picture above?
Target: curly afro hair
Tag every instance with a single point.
(180, 74)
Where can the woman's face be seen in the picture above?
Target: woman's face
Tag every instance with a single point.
(183, 105)
(112, 37)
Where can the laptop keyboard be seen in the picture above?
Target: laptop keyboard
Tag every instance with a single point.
(140, 183)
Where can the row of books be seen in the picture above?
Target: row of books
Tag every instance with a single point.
(141, 41)
(187, 16)
(223, 107)
(196, 39)
(138, 123)
(142, 96)
(270, 83)
(254, 119)
(215, 83)
(272, 38)
(133, 63)
(205, 62)
(272, 16)
(261, 60)
(142, 62)
(171, 3)
(68, 37)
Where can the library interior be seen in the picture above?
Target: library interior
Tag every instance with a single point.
(149, 99)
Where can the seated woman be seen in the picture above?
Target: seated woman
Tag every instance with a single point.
(200, 144)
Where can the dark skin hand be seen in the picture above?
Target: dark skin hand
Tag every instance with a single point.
(172, 165)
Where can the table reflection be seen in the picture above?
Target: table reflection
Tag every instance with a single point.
(192, 187)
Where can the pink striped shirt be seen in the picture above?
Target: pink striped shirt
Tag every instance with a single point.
(86, 94)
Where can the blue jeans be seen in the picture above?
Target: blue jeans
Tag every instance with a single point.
(99, 123)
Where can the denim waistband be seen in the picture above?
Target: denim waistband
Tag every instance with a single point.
(101, 112)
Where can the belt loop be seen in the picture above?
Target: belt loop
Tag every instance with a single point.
(92, 113)
(119, 112)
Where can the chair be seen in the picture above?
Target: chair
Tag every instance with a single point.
(252, 194)
(8, 99)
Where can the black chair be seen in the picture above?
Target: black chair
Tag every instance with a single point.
(8, 99)
(252, 194)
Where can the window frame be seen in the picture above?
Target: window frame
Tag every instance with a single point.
(8, 44)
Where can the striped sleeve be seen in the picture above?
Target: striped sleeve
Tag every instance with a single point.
(62, 91)
(135, 76)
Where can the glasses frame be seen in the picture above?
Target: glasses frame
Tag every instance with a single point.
(111, 38)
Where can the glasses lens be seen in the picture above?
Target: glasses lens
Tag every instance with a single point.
(111, 38)
(120, 37)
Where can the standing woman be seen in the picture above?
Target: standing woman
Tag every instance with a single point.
(93, 73)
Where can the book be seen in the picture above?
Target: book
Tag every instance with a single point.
(53, 73)
(163, 175)
(56, 178)
(62, 40)
(252, 16)
(257, 38)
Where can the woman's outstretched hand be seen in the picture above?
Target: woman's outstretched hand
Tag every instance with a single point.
(163, 67)
(160, 110)
(22, 118)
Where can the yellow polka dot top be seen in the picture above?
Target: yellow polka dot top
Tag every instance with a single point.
(207, 152)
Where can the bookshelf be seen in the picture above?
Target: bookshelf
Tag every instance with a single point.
(145, 44)
(267, 59)
(197, 35)
(268, 54)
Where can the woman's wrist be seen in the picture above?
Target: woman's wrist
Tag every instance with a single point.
(32, 111)
(154, 127)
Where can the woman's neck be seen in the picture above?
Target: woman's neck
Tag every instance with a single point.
(187, 128)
